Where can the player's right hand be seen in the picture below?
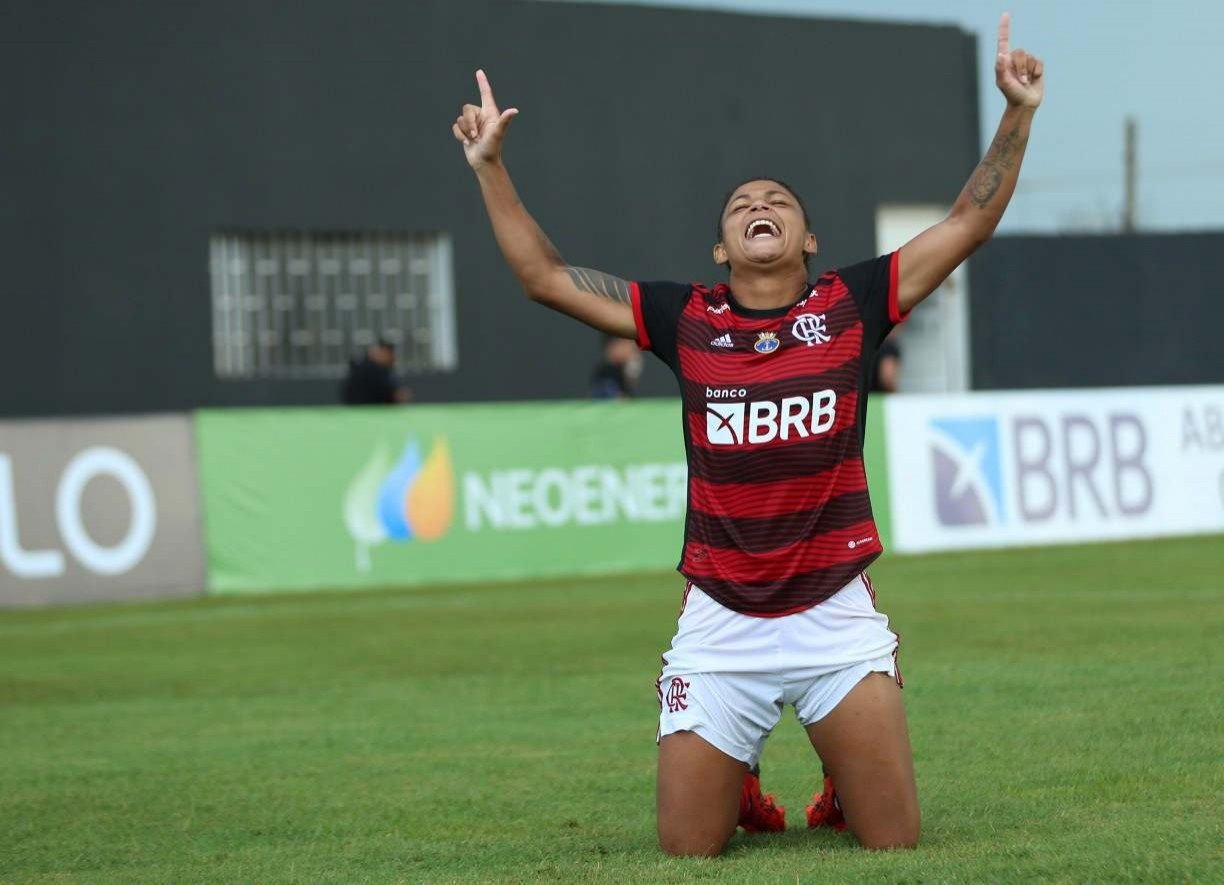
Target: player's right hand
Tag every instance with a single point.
(482, 129)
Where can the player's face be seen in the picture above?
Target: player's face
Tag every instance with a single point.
(762, 225)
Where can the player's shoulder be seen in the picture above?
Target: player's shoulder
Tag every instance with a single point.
(666, 288)
(837, 279)
(674, 294)
(860, 277)
(845, 272)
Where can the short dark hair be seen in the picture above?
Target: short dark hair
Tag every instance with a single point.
(718, 236)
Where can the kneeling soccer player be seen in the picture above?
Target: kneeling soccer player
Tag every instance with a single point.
(773, 371)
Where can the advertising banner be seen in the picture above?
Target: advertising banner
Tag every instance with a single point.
(101, 509)
(337, 498)
(1041, 467)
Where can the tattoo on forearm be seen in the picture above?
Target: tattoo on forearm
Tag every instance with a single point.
(987, 178)
(597, 283)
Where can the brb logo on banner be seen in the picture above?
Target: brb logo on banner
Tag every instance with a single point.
(966, 468)
(1027, 468)
(101, 559)
(793, 417)
(410, 499)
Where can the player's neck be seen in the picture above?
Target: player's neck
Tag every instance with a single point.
(769, 289)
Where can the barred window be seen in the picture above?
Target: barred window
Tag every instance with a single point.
(299, 305)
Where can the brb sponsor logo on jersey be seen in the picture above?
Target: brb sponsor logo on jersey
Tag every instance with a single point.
(732, 419)
(1027, 469)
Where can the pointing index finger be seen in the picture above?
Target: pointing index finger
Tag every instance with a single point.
(486, 91)
(1005, 34)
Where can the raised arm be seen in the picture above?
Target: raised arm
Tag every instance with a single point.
(927, 259)
(597, 299)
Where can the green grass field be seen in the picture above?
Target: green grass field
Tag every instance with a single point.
(1065, 706)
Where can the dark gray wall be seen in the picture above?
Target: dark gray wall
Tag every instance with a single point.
(139, 128)
(1098, 311)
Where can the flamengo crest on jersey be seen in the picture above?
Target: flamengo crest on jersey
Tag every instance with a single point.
(811, 328)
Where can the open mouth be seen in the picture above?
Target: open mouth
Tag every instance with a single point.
(761, 227)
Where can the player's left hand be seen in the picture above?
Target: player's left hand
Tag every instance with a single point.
(1017, 73)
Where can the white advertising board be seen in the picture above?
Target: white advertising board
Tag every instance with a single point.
(1040, 467)
(98, 509)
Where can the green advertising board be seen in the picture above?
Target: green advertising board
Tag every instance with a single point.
(298, 499)
(308, 498)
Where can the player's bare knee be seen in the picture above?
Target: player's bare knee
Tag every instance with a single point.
(692, 848)
(694, 845)
(891, 844)
(889, 841)
(901, 834)
(689, 841)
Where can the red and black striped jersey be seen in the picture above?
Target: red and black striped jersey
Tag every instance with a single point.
(774, 401)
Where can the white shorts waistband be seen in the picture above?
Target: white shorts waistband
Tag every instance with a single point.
(843, 630)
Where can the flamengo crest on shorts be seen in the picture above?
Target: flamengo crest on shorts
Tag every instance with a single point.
(677, 695)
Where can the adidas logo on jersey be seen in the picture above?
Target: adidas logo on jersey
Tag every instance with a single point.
(723, 341)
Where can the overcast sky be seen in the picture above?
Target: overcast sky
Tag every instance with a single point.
(1162, 62)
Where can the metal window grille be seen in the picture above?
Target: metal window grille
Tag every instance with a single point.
(300, 305)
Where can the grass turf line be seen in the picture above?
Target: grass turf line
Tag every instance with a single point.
(1064, 706)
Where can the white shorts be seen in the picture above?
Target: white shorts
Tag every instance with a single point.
(728, 675)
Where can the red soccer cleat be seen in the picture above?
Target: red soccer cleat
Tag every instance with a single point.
(757, 812)
(825, 811)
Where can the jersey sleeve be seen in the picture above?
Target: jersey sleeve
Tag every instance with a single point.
(656, 314)
(874, 287)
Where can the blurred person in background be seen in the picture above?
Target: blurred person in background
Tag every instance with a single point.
(371, 378)
(886, 377)
(773, 372)
(616, 375)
